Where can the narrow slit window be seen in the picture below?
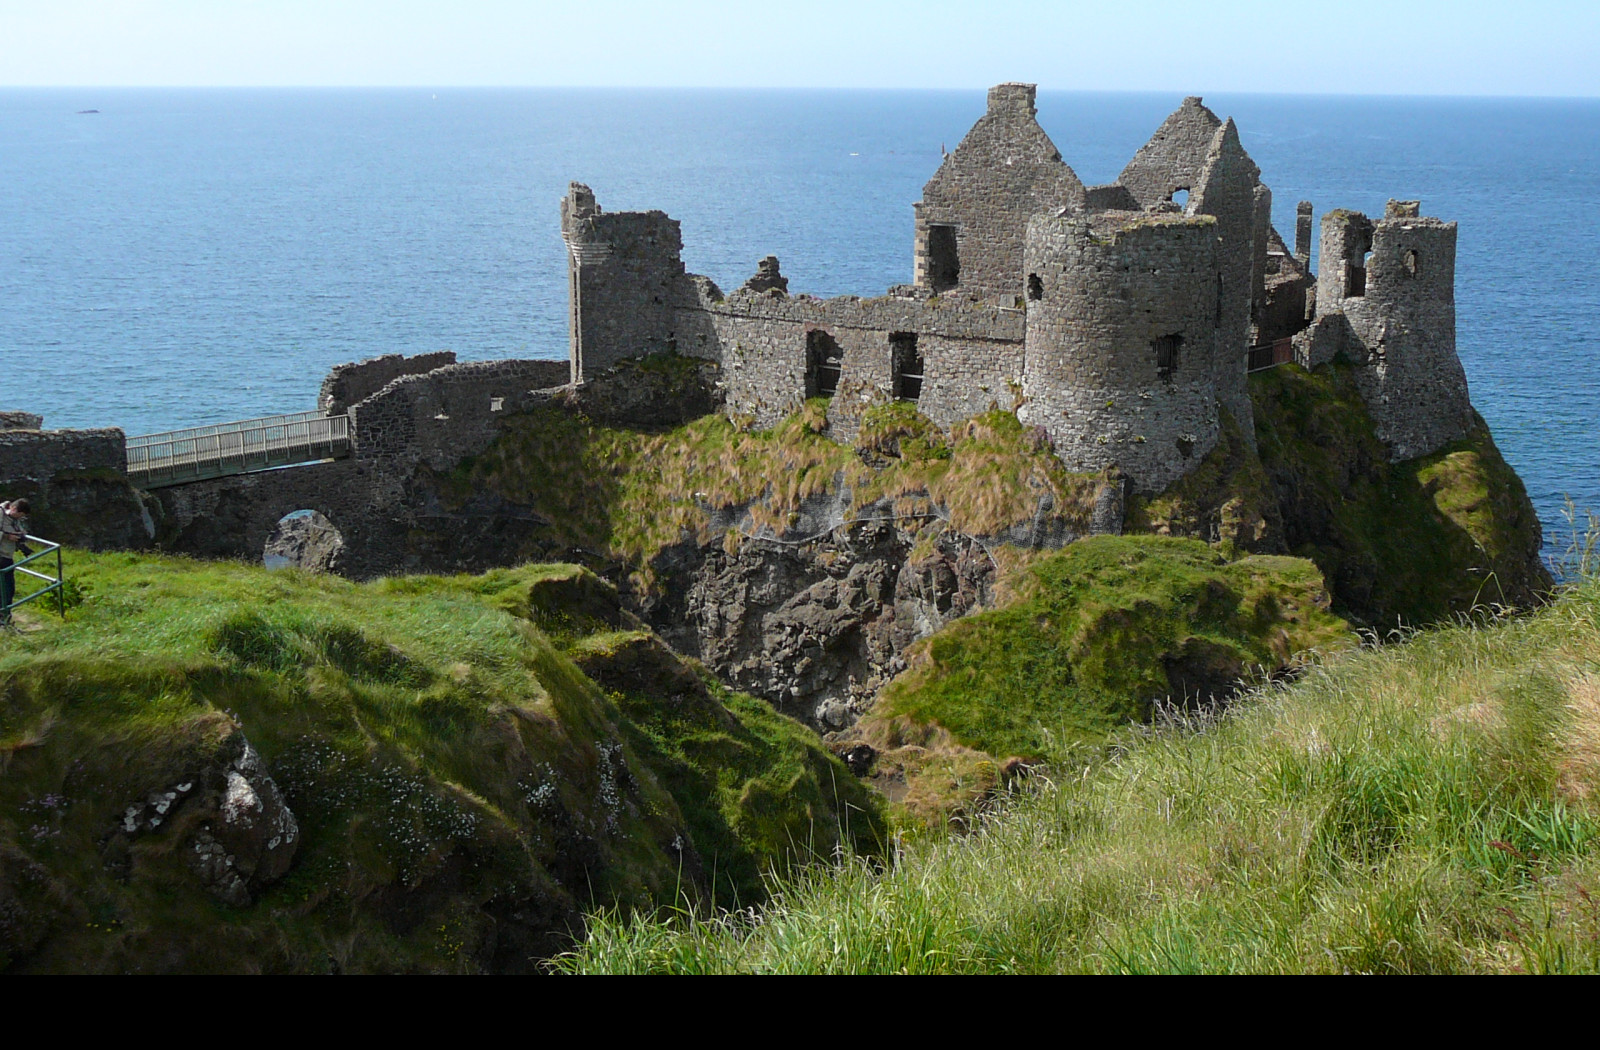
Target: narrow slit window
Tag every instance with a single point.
(824, 363)
(907, 363)
(1166, 350)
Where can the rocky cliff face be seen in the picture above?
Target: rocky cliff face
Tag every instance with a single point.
(818, 627)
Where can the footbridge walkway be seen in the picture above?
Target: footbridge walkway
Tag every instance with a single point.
(199, 453)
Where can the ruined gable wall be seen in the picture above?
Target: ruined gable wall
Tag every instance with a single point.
(349, 383)
(1175, 156)
(1113, 285)
(1227, 190)
(1004, 170)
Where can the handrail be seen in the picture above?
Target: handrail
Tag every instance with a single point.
(235, 448)
(53, 583)
(143, 440)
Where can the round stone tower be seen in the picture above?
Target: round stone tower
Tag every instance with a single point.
(1121, 341)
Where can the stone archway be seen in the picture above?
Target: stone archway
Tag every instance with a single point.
(303, 539)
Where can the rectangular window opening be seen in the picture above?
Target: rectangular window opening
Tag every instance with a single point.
(1355, 280)
(1166, 349)
(907, 363)
(824, 362)
(944, 264)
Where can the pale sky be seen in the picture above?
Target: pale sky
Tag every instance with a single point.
(1449, 47)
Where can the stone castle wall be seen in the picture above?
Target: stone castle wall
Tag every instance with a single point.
(21, 421)
(41, 454)
(449, 413)
(626, 275)
(347, 384)
(1386, 304)
(971, 354)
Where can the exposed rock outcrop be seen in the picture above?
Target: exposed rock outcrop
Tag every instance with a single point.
(234, 829)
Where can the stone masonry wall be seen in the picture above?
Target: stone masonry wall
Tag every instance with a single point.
(1386, 303)
(1004, 171)
(1414, 385)
(347, 384)
(1114, 286)
(450, 412)
(40, 454)
(972, 354)
(1228, 190)
(21, 421)
(626, 277)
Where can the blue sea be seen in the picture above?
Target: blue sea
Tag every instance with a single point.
(184, 256)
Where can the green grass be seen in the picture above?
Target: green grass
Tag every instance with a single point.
(456, 776)
(1415, 542)
(1417, 807)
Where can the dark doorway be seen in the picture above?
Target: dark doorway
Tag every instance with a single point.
(824, 362)
(944, 265)
(907, 363)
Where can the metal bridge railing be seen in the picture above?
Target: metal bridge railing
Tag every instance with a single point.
(215, 451)
(53, 584)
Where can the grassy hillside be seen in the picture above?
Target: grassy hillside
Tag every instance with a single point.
(460, 788)
(1419, 807)
(1092, 639)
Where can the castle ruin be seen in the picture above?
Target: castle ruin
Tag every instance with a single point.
(1122, 319)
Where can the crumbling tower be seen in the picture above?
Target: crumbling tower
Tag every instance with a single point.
(1121, 346)
(1386, 302)
(626, 276)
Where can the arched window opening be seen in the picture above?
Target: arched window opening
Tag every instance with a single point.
(303, 539)
(1411, 261)
(1035, 287)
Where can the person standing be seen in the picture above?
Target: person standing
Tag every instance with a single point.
(13, 537)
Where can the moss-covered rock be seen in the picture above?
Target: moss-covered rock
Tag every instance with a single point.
(1417, 541)
(1100, 632)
